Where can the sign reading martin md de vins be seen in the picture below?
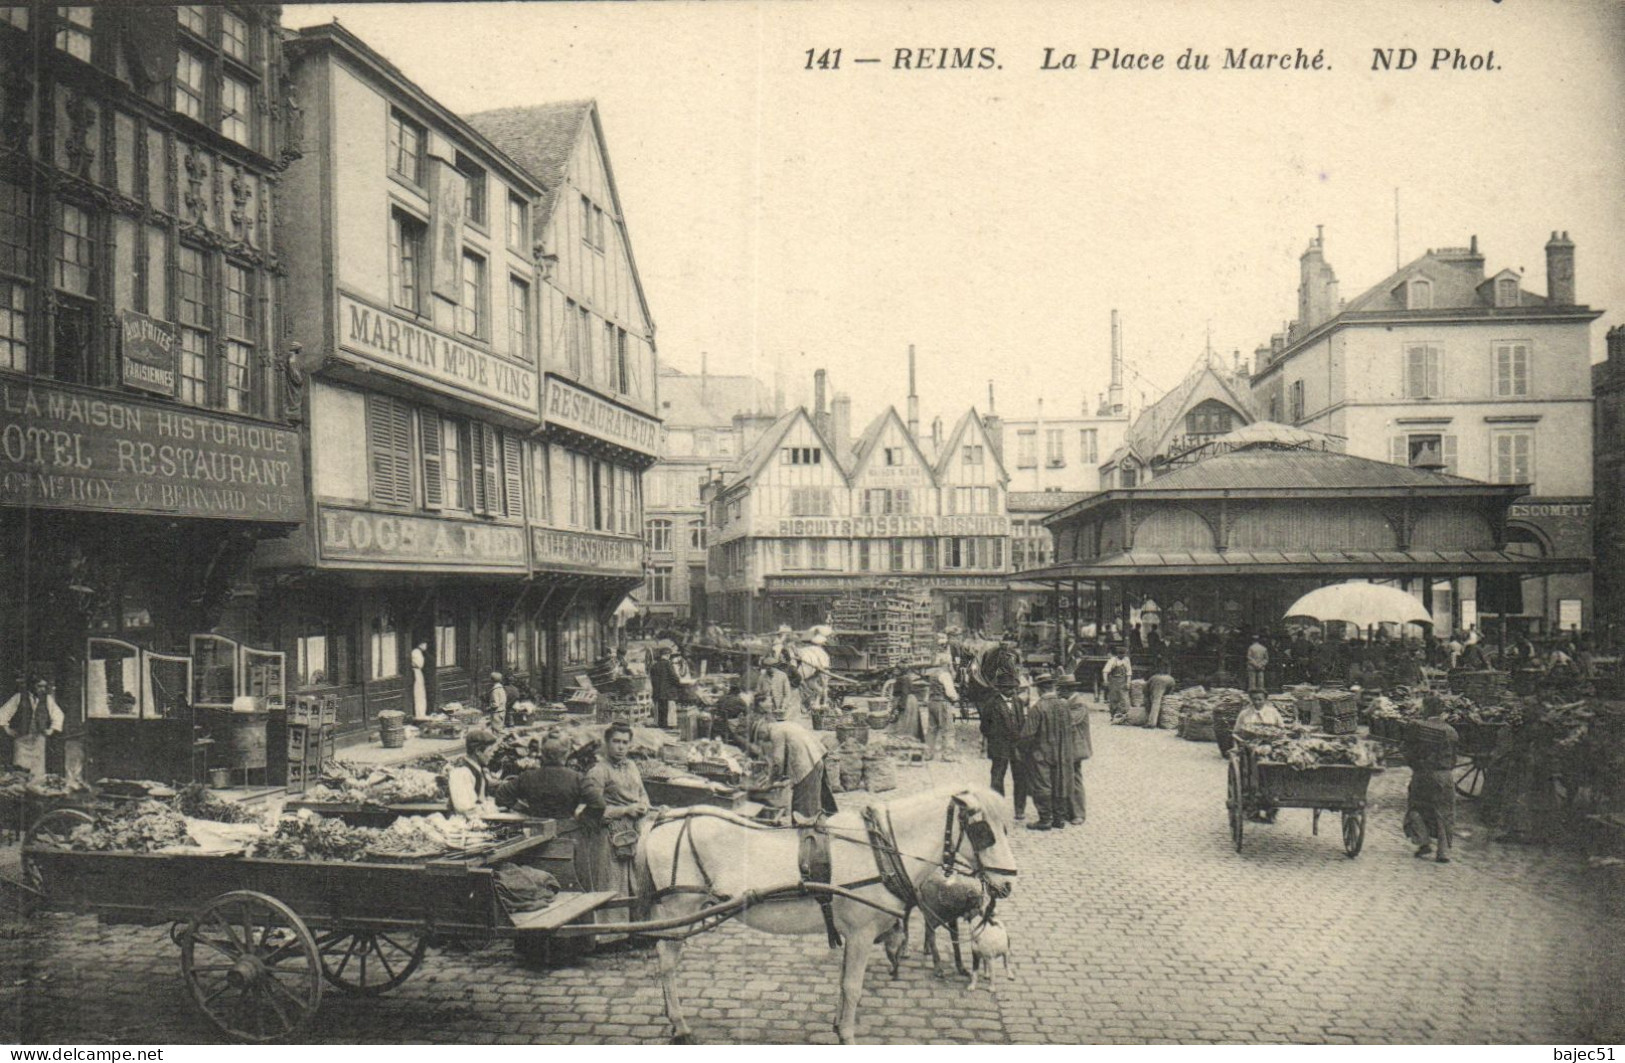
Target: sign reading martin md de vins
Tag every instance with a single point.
(149, 353)
(68, 447)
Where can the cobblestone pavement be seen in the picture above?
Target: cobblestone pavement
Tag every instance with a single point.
(1144, 925)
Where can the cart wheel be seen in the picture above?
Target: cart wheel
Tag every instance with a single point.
(252, 966)
(51, 828)
(1238, 810)
(1353, 833)
(365, 963)
(1470, 777)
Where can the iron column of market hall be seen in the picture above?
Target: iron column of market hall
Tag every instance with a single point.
(436, 285)
(145, 395)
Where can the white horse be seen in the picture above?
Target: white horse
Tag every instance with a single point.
(700, 857)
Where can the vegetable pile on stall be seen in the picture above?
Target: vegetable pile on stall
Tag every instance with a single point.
(197, 801)
(1298, 747)
(345, 782)
(139, 827)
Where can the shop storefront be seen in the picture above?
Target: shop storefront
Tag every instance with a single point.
(126, 531)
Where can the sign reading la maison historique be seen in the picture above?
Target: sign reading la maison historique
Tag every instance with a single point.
(404, 346)
(68, 447)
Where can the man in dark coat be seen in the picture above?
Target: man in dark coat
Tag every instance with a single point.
(1003, 718)
(1049, 752)
(664, 687)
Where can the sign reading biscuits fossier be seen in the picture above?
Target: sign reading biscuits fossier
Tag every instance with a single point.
(570, 407)
(426, 357)
(890, 526)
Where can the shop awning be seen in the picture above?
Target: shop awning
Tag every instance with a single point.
(1345, 564)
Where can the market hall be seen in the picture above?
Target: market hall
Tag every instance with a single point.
(1257, 519)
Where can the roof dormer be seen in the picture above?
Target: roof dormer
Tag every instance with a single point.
(1506, 288)
(1419, 293)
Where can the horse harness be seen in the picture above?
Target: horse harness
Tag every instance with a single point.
(960, 824)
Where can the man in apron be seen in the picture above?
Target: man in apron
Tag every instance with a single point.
(30, 717)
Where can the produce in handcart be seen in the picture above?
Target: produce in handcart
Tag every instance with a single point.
(1298, 747)
(197, 801)
(308, 836)
(141, 827)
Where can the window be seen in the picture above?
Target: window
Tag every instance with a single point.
(658, 535)
(898, 555)
(572, 338)
(1419, 294)
(389, 450)
(406, 239)
(1130, 473)
(696, 534)
(384, 649)
(584, 341)
(1295, 409)
(894, 456)
(192, 305)
(1089, 446)
(445, 638)
(541, 469)
(453, 450)
(877, 502)
(1506, 291)
(324, 653)
(73, 32)
(471, 311)
(13, 326)
(1026, 450)
(971, 455)
(194, 17)
(801, 456)
(473, 190)
(517, 236)
(1511, 369)
(1054, 452)
(241, 333)
(1513, 457)
(1210, 418)
(660, 583)
(592, 224)
(405, 148)
(237, 110)
(818, 553)
(76, 251)
(15, 16)
(519, 318)
(624, 363)
(14, 228)
(811, 502)
(789, 553)
(1426, 450)
(234, 36)
(191, 79)
(1422, 371)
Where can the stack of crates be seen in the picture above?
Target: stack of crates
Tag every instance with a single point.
(1339, 712)
(312, 734)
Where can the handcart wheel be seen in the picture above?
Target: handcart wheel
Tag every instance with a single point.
(1238, 812)
(51, 828)
(1353, 833)
(252, 967)
(1470, 777)
(365, 963)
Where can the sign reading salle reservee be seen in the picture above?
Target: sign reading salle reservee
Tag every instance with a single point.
(406, 347)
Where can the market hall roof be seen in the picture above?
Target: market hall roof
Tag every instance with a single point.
(1160, 422)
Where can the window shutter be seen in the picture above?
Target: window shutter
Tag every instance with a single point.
(478, 497)
(434, 483)
(513, 475)
(389, 450)
(1399, 450)
(492, 474)
(1448, 448)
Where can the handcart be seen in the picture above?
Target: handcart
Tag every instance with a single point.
(1260, 786)
(1475, 746)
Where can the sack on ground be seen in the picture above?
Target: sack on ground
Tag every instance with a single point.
(879, 773)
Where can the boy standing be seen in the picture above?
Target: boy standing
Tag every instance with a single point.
(1430, 801)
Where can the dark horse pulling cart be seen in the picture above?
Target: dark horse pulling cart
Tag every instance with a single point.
(1259, 786)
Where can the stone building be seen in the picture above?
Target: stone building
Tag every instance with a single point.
(1608, 455)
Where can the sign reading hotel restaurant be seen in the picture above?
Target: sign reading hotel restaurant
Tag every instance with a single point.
(570, 407)
(426, 357)
(147, 350)
(579, 550)
(345, 534)
(68, 447)
(896, 526)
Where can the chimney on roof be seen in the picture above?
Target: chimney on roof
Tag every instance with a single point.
(840, 424)
(990, 407)
(1263, 355)
(1115, 391)
(704, 385)
(913, 398)
(1317, 284)
(1560, 270)
(993, 425)
(820, 416)
(936, 435)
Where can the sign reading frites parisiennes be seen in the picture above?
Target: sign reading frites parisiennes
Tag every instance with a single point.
(892, 527)
(361, 535)
(595, 553)
(148, 353)
(431, 359)
(69, 447)
(571, 407)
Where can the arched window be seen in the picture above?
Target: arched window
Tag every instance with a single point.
(1420, 294)
(1506, 291)
(1210, 418)
(658, 535)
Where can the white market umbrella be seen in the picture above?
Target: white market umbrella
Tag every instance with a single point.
(1361, 604)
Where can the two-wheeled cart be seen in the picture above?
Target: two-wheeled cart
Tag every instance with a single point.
(1256, 786)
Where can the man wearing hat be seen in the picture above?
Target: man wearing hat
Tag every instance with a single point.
(1049, 752)
(497, 700)
(664, 687)
(1083, 746)
(1117, 673)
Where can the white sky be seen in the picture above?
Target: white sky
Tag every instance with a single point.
(994, 218)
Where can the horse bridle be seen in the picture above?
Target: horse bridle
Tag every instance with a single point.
(972, 826)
